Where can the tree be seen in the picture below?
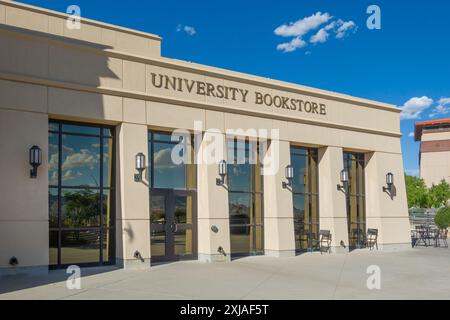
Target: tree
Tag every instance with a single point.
(82, 208)
(417, 192)
(439, 194)
(442, 218)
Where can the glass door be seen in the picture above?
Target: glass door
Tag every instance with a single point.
(172, 227)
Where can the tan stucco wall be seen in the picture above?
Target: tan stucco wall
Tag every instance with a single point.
(383, 212)
(101, 75)
(435, 136)
(23, 201)
(435, 166)
(332, 205)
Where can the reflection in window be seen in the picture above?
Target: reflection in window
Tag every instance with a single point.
(80, 194)
(305, 198)
(245, 198)
(356, 217)
(171, 161)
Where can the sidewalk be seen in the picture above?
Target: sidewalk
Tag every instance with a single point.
(420, 273)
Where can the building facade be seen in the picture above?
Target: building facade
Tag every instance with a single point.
(102, 104)
(434, 157)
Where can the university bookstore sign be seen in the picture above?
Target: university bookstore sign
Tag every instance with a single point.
(162, 81)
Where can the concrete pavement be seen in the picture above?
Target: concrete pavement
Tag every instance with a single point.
(419, 273)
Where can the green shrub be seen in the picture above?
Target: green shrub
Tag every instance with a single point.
(442, 218)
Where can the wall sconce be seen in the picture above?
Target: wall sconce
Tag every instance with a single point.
(344, 180)
(140, 166)
(35, 160)
(289, 174)
(222, 173)
(389, 183)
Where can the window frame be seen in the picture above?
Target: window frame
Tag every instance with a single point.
(307, 194)
(253, 193)
(102, 228)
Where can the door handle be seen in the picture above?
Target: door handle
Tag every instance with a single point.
(174, 227)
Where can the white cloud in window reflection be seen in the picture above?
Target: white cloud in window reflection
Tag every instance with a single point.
(70, 175)
(54, 178)
(53, 163)
(80, 159)
(238, 170)
(163, 158)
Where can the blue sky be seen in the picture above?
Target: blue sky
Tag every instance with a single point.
(408, 58)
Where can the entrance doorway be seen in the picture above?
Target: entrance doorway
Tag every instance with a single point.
(173, 197)
(173, 233)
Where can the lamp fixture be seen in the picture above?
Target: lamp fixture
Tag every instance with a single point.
(344, 180)
(35, 160)
(389, 183)
(140, 166)
(222, 173)
(289, 174)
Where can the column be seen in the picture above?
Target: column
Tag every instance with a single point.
(332, 202)
(213, 214)
(279, 237)
(24, 232)
(387, 214)
(132, 199)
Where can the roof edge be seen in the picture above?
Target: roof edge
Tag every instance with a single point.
(85, 20)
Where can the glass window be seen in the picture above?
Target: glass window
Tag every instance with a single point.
(305, 198)
(245, 198)
(80, 246)
(171, 162)
(80, 161)
(355, 198)
(53, 207)
(53, 156)
(70, 128)
(81, 190)
(53, 248)
(240, 205)
(80, 208)
(107, 162)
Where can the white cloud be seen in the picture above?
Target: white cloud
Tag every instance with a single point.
(444, 101)
(345, 28)
(320, 37)
(414, 107)
(53, 163)
(188, 29)
(302, 26)
(439, 110)
(163, 157)
(292, 45)
(80, 159)
(411, 134)
(70, 175)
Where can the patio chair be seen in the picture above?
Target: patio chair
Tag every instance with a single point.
(441, 235)
(414, 237)
(325, 240)
(422, 235)
(372, 238)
